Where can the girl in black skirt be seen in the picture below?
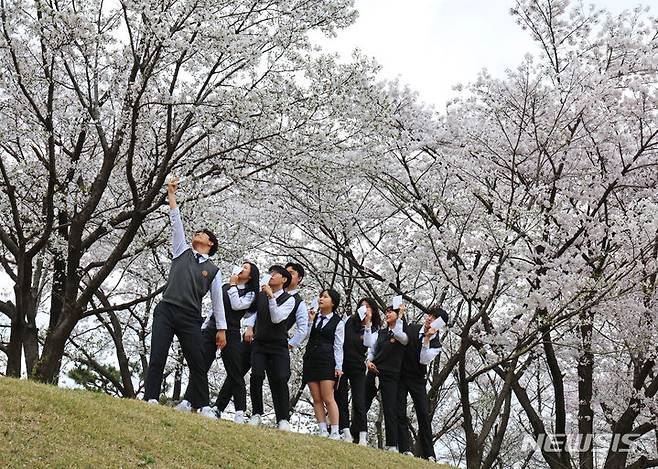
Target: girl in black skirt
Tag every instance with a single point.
(384, 364)
(323, 360)
(358, 333)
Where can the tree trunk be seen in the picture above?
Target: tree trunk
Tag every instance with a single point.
(57, 291)
(553, 459)
(618, 456)
(557, 379)
(48, 367)
(585, 379)
(31, 347)
(24, 303)
(473, 450)
(15, 346)
(122, 359)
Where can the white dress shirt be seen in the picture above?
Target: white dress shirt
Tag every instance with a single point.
(301, 322)
(277, 313)
(238, 303)
(427, 353)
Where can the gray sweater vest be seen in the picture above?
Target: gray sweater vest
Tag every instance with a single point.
(189, 281)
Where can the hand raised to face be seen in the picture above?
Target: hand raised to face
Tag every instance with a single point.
(267, 290)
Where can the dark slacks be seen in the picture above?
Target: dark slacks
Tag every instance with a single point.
(357, 387)
(209, 352)
(170, 320)
(255, 383)
(416, 387)
(388, 386)
(234, 385)
(273, 359)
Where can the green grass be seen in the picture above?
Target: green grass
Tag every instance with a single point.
(46, 426)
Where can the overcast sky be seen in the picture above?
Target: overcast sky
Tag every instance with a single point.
(434, 44)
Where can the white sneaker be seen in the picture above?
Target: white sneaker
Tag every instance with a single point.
(347, 435)
(431, 459)
(208, 412)
(408, 453)
(335, 436)
(153, 402)
(254, 420)
(363, 438)
(284, 425)
(239, 418)
(392, 449)
(184, 406)
(323, 433)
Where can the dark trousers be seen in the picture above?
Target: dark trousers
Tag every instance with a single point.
(388, 386)
(245, 354)
(170, 320)
(357, 387)
(234, 385)
(415, 387)
(273, 359)
(209, 352)
(255, 384)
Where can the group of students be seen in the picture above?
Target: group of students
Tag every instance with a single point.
(357, 355)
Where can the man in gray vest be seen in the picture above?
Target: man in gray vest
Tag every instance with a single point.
(191, 276)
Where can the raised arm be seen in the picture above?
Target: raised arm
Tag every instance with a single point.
(399, 334)
(280, 313)
(238, 303)
(427, 353)
(178, 243)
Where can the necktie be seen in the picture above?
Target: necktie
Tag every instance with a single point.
(321, 322)
(198, 257)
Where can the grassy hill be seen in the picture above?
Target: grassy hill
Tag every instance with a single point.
(46, 426)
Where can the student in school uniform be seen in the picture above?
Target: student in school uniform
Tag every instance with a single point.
(323, 360)
(384, 364)
(191, 276)
(298, 317)
(238, 296)
(355, 348)
(269, 350)
(423, 347)
(241, 293)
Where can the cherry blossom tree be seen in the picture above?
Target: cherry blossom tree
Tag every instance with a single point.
(529, 212)
(101, 101)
